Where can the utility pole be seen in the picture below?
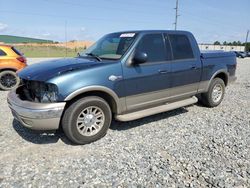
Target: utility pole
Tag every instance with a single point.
(176, 15)
(48, 47)
(246, 41)
(66, 50)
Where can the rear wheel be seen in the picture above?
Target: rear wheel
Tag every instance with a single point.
(86, 120)
(8, 80)
(215, 93)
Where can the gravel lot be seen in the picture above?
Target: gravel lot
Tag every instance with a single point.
(192, 146)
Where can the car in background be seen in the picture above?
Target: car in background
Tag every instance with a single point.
(248, 54)
(240, 54)
(11, 60)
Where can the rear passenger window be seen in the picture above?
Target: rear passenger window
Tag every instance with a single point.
(16, 51)
(153, 46)
(2, 53)
(181, 47)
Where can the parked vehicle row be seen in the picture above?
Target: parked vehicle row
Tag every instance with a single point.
(242, 54)
(124, 75)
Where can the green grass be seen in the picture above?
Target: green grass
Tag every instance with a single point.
(48, 51)
(17, 39)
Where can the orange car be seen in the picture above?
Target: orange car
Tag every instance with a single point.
(11, 60)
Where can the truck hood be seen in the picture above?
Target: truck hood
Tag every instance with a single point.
(45, 70)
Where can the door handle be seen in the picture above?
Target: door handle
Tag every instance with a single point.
(193, 67)
(162, 71)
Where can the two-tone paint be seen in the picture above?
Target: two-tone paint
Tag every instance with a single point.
(133, 87)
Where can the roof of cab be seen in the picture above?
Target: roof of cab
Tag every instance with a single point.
(155, 31)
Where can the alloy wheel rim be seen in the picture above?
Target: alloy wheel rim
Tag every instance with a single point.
(90, 121)
(8, 80)
(217, 93)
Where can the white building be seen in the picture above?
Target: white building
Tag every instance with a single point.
(221, 47)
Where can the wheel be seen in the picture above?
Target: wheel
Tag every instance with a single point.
(215, 93)
(86, 120)
(8, 80)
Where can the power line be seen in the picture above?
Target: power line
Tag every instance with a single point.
(211, 20)
(76, 18)
(134, 9)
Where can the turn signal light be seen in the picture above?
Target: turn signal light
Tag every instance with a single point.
(21, 59)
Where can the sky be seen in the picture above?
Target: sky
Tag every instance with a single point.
(60, 20)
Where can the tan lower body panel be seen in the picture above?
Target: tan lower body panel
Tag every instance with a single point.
(156, 110)
(144, 100)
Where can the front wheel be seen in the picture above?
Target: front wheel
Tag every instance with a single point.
(86, 120)
(215, 93)
(8, 80)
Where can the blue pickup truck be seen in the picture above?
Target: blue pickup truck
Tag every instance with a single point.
(125, 75)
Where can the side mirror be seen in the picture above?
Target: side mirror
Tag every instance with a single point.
(140, 57)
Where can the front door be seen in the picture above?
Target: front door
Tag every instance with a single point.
(146, 84)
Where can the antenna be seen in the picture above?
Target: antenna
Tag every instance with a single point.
(176, 14)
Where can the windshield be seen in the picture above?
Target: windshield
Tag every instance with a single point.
(111, 46)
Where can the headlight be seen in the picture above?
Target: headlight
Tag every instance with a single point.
(49, 93)
(40, 91)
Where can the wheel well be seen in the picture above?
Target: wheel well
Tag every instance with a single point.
(8, 69)
(222, 76)
(108, 98)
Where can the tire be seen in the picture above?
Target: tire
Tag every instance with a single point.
(215, 93)
(8, 80)
(81, 122)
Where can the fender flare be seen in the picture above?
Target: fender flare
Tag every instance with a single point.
(224, 71)
(92, 88)
(120, 102)
(8, 68)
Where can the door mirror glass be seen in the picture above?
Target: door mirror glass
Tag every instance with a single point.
(140, 57)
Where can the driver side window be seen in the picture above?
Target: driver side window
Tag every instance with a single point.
(153, 46)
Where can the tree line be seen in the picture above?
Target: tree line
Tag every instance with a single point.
(234, 43)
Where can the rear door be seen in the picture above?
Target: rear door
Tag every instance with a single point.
(185, 66)
(146, 84)
(3, 59)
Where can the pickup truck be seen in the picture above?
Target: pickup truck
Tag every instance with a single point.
(125, 75)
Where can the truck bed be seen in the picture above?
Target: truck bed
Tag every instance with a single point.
(216, 54)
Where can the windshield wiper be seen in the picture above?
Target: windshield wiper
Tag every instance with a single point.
(94, 55)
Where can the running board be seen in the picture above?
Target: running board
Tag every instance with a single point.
(156, 110)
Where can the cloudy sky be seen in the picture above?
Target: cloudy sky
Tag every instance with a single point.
(209, 20)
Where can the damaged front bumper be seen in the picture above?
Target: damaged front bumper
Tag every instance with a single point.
(34, 115)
